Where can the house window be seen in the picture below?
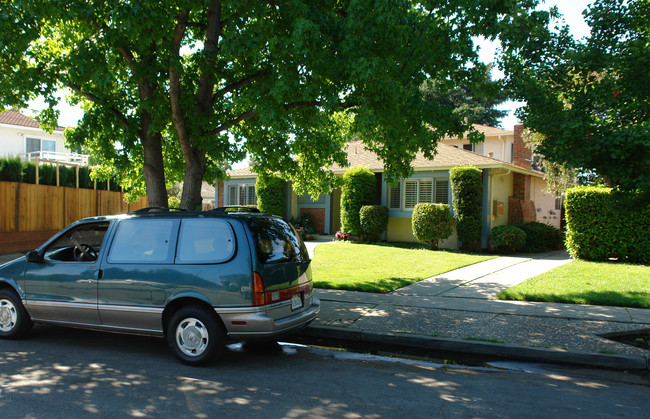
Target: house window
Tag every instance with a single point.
(36, 144)
(410, 192)
(468, 147)
(242, 194)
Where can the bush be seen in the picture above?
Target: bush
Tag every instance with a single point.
(342, 236)
(373, 220)
(67, 176)
(28, 172)
(467, 199)
(604, 224)
(541, 238)
(11, 169)
(431, 223)
(84, 178)
(47, 174)
(270, 190)
(507, 239)
(358, 190)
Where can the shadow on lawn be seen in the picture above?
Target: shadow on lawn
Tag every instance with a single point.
(381, 286)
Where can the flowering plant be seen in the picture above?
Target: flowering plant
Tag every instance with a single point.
(342, 236)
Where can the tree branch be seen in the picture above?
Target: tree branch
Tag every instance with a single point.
(175, 81)
(239, 84)
(96, 99)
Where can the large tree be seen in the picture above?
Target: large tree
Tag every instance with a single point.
(476, 102)
(590, 99)
(180, 88)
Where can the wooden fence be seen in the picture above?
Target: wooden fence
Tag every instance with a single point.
(30, 214)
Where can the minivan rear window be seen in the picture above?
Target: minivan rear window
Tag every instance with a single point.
(276, 241)
(205, 241)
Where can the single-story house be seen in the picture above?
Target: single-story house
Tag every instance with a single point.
(513, 192)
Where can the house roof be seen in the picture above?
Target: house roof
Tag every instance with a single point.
(489, 131)
(16, 118)
(446, 157)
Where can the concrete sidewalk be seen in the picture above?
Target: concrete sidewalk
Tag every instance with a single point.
(457, 312)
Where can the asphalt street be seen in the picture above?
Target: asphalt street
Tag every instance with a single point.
(67, 373)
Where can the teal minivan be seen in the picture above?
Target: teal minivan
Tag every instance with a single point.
(199, 279)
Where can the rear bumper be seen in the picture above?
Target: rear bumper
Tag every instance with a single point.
(255, 322)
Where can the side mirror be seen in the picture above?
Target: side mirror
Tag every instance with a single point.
(33, 256)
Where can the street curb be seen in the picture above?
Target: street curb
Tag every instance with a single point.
(507, 351)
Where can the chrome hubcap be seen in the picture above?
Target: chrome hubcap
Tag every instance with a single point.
(192, 337)
(8, 316)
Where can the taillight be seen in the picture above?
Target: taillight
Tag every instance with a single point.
(258, 290)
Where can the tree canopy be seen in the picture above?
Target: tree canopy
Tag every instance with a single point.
(175, 90)
(478, 106)
(590, 99)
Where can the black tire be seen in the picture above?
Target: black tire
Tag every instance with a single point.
(196, 335)
(14, 320)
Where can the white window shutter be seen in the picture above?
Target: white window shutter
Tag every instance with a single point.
(442, 191)
(425, 194)
(410, 193)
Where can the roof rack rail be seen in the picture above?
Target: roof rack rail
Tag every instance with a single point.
(155, 209)
(236, 208)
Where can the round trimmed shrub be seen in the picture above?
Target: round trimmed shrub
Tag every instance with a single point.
(432, 223)
(358, 190)
(507, 238)
(373, 220)
(270, 190)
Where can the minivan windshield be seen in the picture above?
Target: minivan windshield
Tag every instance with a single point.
(276, 241)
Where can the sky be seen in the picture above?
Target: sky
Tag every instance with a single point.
(570, 9)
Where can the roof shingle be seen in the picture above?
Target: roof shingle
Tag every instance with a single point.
(16, 118)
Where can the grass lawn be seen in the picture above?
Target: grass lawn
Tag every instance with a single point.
(382, 267)
(581, 282)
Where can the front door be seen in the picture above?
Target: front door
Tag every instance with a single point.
(63, 286)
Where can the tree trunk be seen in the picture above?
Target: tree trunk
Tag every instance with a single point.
(154, 172)
(194, 169)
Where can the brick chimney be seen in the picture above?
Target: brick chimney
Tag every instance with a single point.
(522, 156)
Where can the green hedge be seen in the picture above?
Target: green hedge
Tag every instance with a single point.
(358, 190)
(14, 169)
(541, 238)
(604, 224)
(467, 199)
(432, 223)
(270, 190)
(507, 238)
(373, 220)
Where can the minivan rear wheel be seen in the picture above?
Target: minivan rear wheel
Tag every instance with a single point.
(195, 335)
(14, 320)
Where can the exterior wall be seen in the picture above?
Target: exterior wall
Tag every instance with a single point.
(400, 230)
(495, 147)
(12, 139)
(501, 190)
(545, 204)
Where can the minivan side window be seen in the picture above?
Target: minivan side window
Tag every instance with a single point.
(205, 241)
(143, 241)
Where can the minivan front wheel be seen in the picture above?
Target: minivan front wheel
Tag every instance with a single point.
(195, 335)
(14, 320)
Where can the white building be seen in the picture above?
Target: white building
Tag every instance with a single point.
(22, 136)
